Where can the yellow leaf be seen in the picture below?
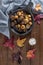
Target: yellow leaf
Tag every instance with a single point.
(20, 42)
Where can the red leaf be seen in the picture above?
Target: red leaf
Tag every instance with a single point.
(9, 43)
(38, 17)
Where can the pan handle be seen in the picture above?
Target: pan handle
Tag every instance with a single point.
(29, 6)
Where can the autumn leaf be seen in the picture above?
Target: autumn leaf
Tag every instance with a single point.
(20, 42)
(9, 43)
(31, 54)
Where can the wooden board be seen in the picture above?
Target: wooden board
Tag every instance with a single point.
(6, 54)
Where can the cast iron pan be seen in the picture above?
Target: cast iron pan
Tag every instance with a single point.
(28, 11)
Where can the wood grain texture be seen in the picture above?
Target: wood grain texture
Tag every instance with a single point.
(6, 54)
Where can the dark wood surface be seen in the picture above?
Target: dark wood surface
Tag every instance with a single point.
(5, 54)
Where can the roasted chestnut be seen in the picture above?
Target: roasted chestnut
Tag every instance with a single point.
(12, 24)
(26, 21)
(30, 23)
(27, 26)
(19, 13)
(22, 27)
(16, 17)
(12, 17)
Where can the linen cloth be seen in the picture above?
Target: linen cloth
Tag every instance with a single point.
(6, 6)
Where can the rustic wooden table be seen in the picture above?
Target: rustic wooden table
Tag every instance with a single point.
(5, 54)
